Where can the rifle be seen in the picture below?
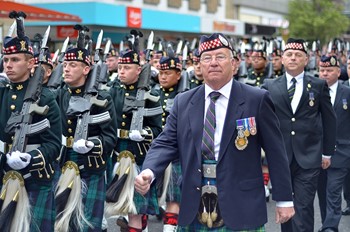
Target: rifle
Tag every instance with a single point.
(184, 83)
(103, 78)
(57, 74)
(143, 93)
(21, 123)
(81, 106)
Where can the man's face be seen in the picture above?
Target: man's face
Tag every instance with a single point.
(330, 74)
(169, 78)
(258, 62)
(217, 67)
(112, 63)
(277, 63)
(348, 68)
(128, 73)
(294, 61)
(155, 63)
(197, 70)
(47, 72)
(18, 66)
(75, 73)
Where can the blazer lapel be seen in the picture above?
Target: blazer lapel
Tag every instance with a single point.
(196, 124)
(305, 93)
(281, 84)
(234, 112)
(338, 95)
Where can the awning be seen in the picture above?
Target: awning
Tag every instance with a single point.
(35, 13)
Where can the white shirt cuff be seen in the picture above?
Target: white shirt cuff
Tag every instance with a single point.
(284, 204)
(149, 172)
(326, 156)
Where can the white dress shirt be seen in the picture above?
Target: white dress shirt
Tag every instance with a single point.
(333, 91)
(298, 89)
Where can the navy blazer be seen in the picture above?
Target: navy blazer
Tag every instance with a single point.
(341, 157)
(311, 130)
(239, 176)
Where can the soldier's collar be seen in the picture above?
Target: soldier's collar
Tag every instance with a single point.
(76, 90)
(19, 86)
(168, 90)
(128, 87)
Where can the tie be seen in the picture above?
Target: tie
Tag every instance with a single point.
(291, 89)
(209, 128)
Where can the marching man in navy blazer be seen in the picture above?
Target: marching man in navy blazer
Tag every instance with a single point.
(225, 191)
(335, 174)
(308, 125)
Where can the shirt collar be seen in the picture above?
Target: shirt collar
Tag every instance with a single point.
(225, 90)
(334, 87)
(297, 77)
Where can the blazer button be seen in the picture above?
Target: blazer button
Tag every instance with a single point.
(199, 170)
(292, 133)
(293, 119)
(198, 188)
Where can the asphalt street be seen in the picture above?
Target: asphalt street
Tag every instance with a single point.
(154, 225)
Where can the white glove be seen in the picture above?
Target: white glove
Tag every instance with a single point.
(135, 135)
(18, 160)
(83, 146)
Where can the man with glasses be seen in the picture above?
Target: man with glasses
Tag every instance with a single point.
(219, 151)
(308, 124)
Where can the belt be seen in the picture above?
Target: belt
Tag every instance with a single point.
(123, 134)
(6, 147)
(67, 142)
(209, 170)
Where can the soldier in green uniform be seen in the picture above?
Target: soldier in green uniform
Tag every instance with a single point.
(85, 159)
(133, 144)
(112, 63)
(46, 64)
(32, 166)
(196, 77)
(169, 77)
(276, 59)
(257, 76)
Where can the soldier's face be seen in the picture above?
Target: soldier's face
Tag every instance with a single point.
(169, 78)
(75, 73)
(330, 74)
(18, 66)
(277, 63)
(112, 63)
(197, 70)
(294, 61)
(258, 63)
(128, 73)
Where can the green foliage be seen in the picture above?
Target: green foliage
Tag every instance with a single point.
(316, 19)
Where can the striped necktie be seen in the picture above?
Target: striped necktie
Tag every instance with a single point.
(209, 128)
(291, 89)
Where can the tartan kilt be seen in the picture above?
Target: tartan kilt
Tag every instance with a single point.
(147, 204)
(41, 198)
(174, 191)
(93, 201)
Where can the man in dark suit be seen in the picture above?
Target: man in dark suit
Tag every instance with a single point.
(335, 174)
(308, 125)
(223, 188)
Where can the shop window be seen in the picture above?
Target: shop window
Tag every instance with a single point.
(154, 2)
(194, 5)
(212, 6)
(174, 3)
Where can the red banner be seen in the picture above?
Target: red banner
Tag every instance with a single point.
(134, 17)
(64, 31)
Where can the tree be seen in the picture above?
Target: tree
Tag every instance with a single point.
(316, 19)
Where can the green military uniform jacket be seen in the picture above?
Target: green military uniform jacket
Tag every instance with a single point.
(167, 97)
(256, 79)
(44, 147)
(151, 124)
(103, 135)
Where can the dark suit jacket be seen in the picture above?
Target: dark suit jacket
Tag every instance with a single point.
(346, 82)
(311, 130)
(341, 157)
(239, 175)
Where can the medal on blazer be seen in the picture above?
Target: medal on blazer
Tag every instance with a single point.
(311, 99)
(252, 125)
(241, 141)
(246, 128)
(345, 104)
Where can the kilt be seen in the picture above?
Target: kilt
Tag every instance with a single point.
(93, 201)
(41, 198)
(147, 204)
(174, 191)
